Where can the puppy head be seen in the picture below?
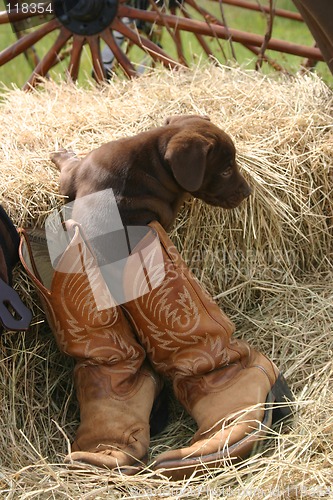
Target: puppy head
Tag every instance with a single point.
(203, 161)
(178, 119)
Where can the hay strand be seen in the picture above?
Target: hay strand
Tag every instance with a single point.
(268, 263)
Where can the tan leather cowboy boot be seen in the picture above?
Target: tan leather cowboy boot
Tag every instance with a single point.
(232, 391)
(115, 388)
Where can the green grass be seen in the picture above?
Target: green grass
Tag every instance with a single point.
(17, 71)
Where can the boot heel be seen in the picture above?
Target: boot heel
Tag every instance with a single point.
(282, 394)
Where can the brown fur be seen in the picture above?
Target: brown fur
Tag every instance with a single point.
(152, 173)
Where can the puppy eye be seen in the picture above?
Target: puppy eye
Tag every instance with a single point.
(227, 172)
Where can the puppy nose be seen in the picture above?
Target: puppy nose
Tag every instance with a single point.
(246, 189)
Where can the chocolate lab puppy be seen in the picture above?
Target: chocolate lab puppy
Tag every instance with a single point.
(152, 173)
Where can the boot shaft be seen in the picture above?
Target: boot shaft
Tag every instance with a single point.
(82, 330)
(183, 330)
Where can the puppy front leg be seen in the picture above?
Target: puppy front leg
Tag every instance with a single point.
(67, 162)
(64, 158)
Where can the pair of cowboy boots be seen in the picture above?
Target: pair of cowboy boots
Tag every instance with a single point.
(173, 330)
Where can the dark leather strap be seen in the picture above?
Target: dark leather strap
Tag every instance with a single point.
(14, 315)
(10, 237)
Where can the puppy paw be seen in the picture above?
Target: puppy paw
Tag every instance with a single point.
(61, 156)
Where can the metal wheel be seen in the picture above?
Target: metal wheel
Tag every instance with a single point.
(114, 29)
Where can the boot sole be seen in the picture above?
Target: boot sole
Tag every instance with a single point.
(277, 409)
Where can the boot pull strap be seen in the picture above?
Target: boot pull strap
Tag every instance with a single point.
(14, 315)
(32, 272)
(168, 246)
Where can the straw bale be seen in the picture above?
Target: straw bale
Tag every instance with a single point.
(268, 263)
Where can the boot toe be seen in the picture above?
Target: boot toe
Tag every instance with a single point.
(232, 443)
(109, 458)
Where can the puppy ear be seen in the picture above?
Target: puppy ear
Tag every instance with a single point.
(186, 154)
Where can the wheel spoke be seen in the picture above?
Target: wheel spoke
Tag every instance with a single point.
(200, 38)
(50, 59)
(175, 35)
(27, 41)
(123, 60)
(74, 63)
(30, 54)
(194, 26)
(209, 19)
(145, 44)
(96, 57)
(178, 41)
(296, 16)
